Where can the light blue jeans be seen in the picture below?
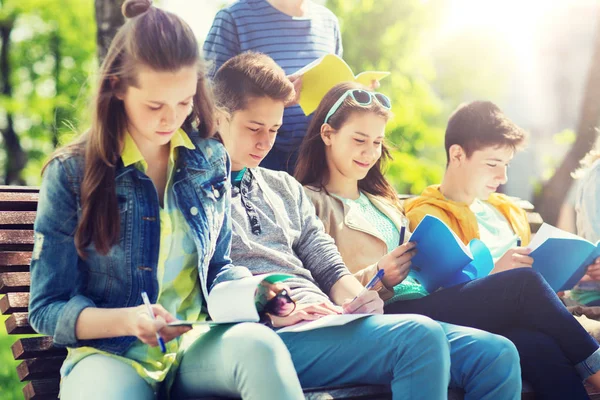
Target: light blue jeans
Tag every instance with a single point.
(244, 360)
(417, 355)
(411, 352)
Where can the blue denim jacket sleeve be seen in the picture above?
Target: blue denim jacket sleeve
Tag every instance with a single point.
(55, 304)
(220, 267)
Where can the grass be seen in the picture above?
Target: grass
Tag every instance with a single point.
(10, 386)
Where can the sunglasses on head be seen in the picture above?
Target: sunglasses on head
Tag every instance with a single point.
(363, 98)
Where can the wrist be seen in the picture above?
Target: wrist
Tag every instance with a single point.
(128, 320)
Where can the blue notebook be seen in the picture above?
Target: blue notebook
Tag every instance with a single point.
(443, 260)
(561, 257)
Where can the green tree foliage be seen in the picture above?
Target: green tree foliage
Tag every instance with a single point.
(388, 35)
(52, 53)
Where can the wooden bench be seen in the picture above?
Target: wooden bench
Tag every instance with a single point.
(40, 360)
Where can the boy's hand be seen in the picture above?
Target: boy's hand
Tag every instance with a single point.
(374, 84)
(396, 264)
(305, 312)
(297, 82)
(367, 303)
(514, 258)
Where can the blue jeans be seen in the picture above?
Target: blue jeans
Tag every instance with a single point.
(419, 357)
(556, 352)
(245, 360)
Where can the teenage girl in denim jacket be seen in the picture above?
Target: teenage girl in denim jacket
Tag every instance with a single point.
(141, 204)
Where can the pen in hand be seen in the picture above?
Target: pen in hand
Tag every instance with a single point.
(371, 283)
(402, 233)
(160, 340)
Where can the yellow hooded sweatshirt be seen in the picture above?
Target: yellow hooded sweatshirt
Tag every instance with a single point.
(459, 217)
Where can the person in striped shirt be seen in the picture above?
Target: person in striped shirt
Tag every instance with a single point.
(293, 33)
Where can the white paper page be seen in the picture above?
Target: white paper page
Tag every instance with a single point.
(328, 320)
(233, 301)
(547, 231)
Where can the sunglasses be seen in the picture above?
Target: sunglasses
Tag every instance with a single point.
(363, 98)
(280, 305)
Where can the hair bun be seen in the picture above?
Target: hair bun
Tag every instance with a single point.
(133, 8)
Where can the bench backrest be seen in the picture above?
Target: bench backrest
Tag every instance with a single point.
(40, 360)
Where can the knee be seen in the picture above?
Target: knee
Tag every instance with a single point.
(526, 275)
(426, 336)
(254, 343)
(500, 351)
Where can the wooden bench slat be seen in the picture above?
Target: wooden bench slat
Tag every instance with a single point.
(14, 302)
(17, 219)
(37, 346)
(17, 324)
(19, 189)
(16, 240)
(39, 368)
(42, 389)
(14, 282)
(20, 201)
(15, 261)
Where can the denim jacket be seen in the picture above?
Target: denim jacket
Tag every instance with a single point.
(63, 284)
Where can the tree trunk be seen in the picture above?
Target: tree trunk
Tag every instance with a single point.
(108, 20)
(555, 190)
(15, 156)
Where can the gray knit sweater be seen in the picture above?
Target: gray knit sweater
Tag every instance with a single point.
(275, 229)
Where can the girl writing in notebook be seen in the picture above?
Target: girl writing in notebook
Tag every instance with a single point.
(341, 165)
(140, 204)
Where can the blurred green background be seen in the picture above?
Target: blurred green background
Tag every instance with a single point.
(532, 58)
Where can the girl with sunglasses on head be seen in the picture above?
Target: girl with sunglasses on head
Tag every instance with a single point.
(140, 207)
(341, 165)
(275, 229)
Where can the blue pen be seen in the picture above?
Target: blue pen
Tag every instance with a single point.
(161, 342)
(402, 232)
(374, 280)
(518, 242)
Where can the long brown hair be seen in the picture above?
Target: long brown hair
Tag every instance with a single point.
(311, 168)
(162, 42)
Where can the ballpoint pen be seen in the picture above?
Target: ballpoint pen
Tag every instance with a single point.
(160, 340)
(374, 280)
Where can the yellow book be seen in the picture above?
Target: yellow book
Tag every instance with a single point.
(324, 73)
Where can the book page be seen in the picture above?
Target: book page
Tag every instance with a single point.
(548, 231)
(365, 78)
(233, 301)
(324, 322)
(321, 75)
(440, 253)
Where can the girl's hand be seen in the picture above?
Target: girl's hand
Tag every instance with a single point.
(593, 271)
(145, 328)
(305, 312)
(514, 258)
(396, 264)
(367, 303)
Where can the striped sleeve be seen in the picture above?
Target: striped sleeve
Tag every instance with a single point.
(222, 41)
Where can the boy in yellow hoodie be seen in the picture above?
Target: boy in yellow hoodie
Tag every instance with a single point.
(480, 143)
